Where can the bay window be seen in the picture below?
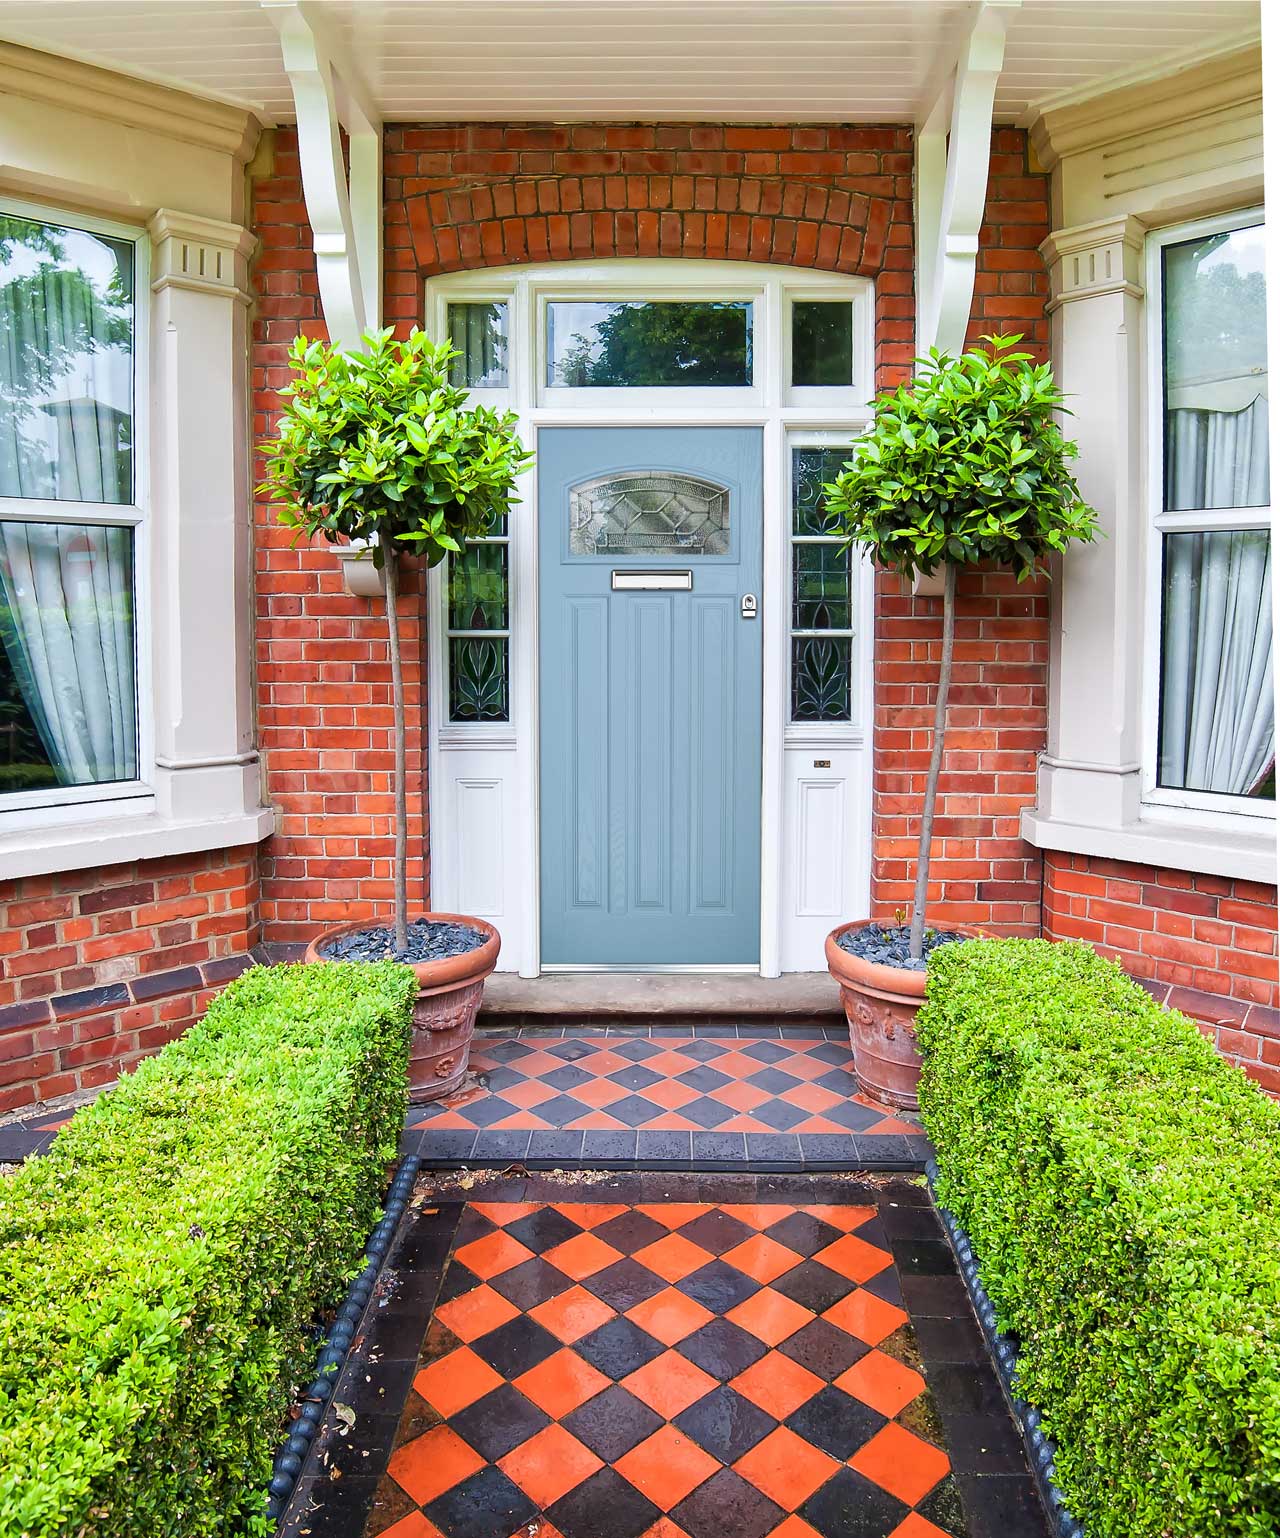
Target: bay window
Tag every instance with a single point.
(70, 509)
(1214, 722)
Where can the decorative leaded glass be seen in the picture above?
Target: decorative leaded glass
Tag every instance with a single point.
(822, 342)
(649, 512)
(820, 593)
(478, 588)
(639, 343)
(811, 470)
(478, 678)
(821, 669)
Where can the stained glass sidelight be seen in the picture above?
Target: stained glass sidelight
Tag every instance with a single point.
(649, 512)
(479, 640)
(821, 593)
(478, 678)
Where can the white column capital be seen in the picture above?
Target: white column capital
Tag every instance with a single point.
(206, 255)
(1090, 260)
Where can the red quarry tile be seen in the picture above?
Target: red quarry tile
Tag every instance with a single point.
(598, 1093)
(673, 1257)
(671, 1064)
(494, 1254)
(883, 1383)
(549, 1465)
(845, 1218)
(870, 1318)
(787, 1468)
(669, 1316)
(737, 1065)
(891, 1125)
(801, 1066)
(777, 1384)
(674, 1214)
(505, 1213)
(596, 1121)
(475, 1313)
(854, 1258)
(415, 1525)
(761, 1258)
(669, 1384)
(598, 1064)
(758, 1214)
(913, 1525)
(742, 1097)
(447, 1121)
(535, 1064)
(901, 1463)
(561, 1383)
(811, 1097)
(590, 1214)
(671, 1121)
(529, 1093)
(583, 1255)
(666, 1467)
(794, 1527)
(769, 1316)
(572, 1315)
(668, 1093)
(664, 1527)
(433, 1463)
(745, 1123)
(519, 1121)
(453, 1382)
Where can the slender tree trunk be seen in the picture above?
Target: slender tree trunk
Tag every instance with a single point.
(391, 588)
(935, 759)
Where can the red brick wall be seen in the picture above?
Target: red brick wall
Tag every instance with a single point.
(323, 670)
(982, 872)
(100, 967)
(1203, 944)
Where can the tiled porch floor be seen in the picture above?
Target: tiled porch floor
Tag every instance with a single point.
(706, 1097)
(670, 1356)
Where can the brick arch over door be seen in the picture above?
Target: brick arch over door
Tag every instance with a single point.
(835, 199)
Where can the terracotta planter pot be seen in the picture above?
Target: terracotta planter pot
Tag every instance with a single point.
(880, 1004)
(444, 1018)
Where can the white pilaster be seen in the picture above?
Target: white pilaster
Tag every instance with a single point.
(201, 558)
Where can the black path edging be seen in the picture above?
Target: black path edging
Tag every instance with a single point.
(292, 1457)
(1004, 1351)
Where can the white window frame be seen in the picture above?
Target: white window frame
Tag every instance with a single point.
(502, 756)
(59, 806)
(1163, 803)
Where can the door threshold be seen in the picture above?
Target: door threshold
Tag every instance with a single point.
(657, 968)
(689, 995)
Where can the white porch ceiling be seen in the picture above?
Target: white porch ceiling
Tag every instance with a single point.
(558, 60)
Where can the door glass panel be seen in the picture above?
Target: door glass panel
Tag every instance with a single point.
(479, 334)
(822, 342)
(642, 343)
(811, 470)
(820, 575)
(478, 588)
(820, 678)
(478, 678)
(821, 592)
(649, 512)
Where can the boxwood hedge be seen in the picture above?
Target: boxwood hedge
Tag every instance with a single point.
(1121, 1186)
(159, 1266)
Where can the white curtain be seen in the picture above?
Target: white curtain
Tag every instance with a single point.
(65, 364)
(67, 628)
(1217, 698)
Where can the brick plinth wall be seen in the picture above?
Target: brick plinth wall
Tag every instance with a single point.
(100, 967)
(1203, 944)
(323, 666)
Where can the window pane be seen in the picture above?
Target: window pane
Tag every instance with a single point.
(1215, 325)
(478, 678)
(478, 588)
(822, 342)
(479, 333)
(1217, 704)
(68, 706)
(820, 577)
(649, 512)
(655, 344)
(811, 470)
(66, 369)
(820, 676)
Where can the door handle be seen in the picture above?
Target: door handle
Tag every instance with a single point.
(749, 606)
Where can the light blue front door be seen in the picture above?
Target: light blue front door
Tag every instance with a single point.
(650, 540)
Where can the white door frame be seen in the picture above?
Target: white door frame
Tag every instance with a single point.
(483, 777)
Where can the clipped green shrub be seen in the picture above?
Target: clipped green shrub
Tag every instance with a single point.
(160, 1265)
(1121, 1186)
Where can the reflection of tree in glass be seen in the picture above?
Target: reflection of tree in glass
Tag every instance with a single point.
(1216, 315)
(662, 344)
(53, 316)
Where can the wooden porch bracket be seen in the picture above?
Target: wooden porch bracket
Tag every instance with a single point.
(343, 194)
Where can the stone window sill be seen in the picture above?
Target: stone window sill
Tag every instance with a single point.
(1172, 846)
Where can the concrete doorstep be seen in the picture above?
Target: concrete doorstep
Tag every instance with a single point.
(558, 997)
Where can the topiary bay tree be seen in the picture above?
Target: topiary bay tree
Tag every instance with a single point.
(379, 446)
(964, 465)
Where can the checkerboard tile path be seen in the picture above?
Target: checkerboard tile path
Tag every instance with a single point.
(668, 1370)
(704, 1096)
